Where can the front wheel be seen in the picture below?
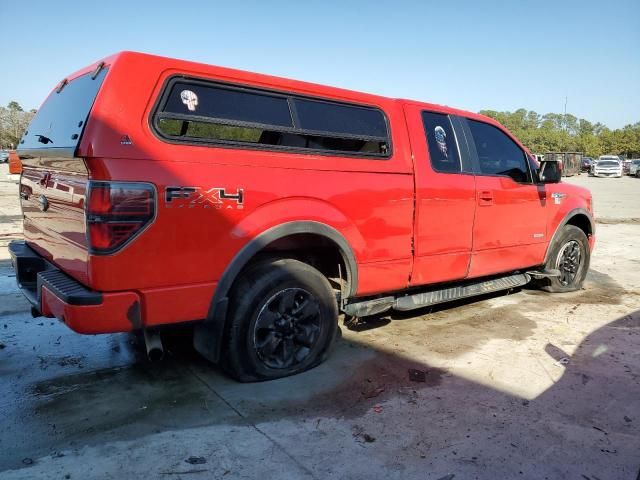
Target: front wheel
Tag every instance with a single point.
(283, 320)
(570, 255)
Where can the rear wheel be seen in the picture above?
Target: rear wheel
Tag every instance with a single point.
(283, 320)
(570, 255)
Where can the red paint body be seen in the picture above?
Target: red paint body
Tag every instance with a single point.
(406, 224)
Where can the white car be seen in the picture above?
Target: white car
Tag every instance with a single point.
(634, 167)
(607, 166)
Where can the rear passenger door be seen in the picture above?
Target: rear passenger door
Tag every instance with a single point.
(445, 196)
(510, 224)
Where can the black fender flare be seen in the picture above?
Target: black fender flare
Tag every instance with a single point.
(208, 334)
(565, 220)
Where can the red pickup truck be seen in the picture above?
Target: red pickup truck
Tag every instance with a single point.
(157, 191)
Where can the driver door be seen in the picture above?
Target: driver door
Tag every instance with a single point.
(510, 228)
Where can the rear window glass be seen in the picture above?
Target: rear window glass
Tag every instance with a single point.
(60, 121)
(195, 112)
(228, 104)
(336, 118)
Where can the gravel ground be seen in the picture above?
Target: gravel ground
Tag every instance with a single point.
(521, 385)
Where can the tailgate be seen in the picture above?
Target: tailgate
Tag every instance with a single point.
(53, 207)
(54, 181)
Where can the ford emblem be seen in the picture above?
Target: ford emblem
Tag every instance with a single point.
(43, 203)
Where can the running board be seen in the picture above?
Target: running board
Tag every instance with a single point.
(434, 297)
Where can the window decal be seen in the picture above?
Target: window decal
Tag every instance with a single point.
(441, 138)
(190, 99)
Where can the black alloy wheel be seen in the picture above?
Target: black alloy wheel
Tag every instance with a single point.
(568, 262)
(569, 253)
(283, 320)
(287, 328)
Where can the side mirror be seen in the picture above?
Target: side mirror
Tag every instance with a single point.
(550, 171)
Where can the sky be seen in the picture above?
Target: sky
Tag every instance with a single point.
(473, 55)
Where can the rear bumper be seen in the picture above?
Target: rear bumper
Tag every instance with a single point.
(54, 294)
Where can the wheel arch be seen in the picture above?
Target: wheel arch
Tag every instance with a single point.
(208, 334)
(578, 217)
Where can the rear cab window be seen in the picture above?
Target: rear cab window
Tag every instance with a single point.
(59, 123)
(195, 111)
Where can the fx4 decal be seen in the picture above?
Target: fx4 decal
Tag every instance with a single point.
(192, 197)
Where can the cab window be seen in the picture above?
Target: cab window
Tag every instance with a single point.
(441, 141)
(498, 155)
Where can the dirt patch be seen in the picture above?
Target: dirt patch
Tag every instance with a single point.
(366, 388)
(599, 288)
(451, 329)
(64, 361)
(453, 335)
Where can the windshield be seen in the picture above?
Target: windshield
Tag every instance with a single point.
(608, 163)
(60, 121)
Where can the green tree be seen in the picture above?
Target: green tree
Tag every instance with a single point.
(13, 122)
(566, 132)
(14, 106)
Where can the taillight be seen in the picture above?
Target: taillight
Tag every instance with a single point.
(117, 212)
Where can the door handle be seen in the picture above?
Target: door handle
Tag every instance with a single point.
(485, 198)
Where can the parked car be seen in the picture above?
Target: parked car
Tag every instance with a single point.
(4, 156)
(586, 164)
(607, 166)
(257, 208)
(634, 166)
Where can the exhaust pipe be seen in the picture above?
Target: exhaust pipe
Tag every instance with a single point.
(152, 341)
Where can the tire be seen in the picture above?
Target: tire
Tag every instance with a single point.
(572, 242)
(283, 319)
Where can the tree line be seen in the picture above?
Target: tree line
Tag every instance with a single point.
(556, 132)
(552, 132)
(13, 122)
